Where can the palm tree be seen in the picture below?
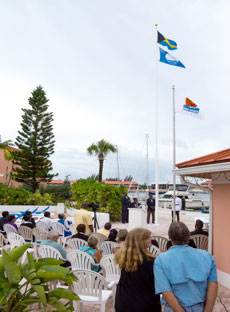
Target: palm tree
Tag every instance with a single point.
(101, 149)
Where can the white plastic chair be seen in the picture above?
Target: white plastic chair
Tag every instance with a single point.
(100, 237)
(76, 243)
(162, 241)
(112, 272)
(40, 234)
(61, 231)
(91, 288)
(107, 248)
(8, 228)
(45, 251)
(2, 240)
(15, 240)
(72, 228)
(154, 250)
(26, 233)
(200, 240)
(80, 260)
(43, 225)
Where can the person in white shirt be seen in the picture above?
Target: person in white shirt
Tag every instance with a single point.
(178, 205)
(106, 229)
(47, 219)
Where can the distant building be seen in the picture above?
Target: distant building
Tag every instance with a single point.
(5, 169)
(130, 185)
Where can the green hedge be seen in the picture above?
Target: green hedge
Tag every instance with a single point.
(109, 197)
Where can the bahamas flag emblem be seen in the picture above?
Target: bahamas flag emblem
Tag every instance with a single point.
(167, 58)
(170, 44)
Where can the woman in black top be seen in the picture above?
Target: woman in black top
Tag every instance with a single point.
(135, 290)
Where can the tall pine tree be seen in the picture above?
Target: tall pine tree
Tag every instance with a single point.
(35, 143)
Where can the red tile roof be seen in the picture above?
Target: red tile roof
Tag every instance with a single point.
(121, 182)
(214, 158)
(56, 182)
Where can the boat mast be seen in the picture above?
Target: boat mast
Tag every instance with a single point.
(147, 161)
(118, 173)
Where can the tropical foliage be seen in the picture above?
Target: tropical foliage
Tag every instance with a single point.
(21, 196)
(60, 193)
(101, 149)
(35, 142)
(109, 197)
(8, 155)
(24, 285)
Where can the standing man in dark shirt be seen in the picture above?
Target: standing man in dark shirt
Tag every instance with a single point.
(151, 208)
(4, 220)
(125, 205)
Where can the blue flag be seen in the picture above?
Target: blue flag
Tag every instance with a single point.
(167, 58)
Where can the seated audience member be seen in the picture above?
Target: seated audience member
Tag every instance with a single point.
(47, 219)
(93, 251)
(199, 228)
(81, 232)
(4, 220)
(106, 229)
(112, 236)
(52, 238)
(135, 290)
(26, 221)
(186, 277)
(63, 221)
(29, 213)
(121, 237)
(11, 221)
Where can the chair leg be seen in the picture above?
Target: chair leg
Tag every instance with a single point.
(81, 307)
(102, 309)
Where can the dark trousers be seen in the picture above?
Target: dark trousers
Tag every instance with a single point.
(149, 213)
(125, 215)
(177, 214)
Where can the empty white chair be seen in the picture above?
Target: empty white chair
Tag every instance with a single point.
(154, 250)
(100, 238)
(107, 247)
(45, 251)
(26, 233)
(162, 242)
(80, 260)
(200, 240)
(111, 271)
(15, 240)
(76, 243)
(43, 225)
(91, 288)
(61, 231)
(8, 228)
(72, 228)
(39, 234)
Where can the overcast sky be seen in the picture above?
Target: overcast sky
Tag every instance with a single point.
(96, 61)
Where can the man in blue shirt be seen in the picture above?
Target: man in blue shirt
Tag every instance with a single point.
(185, 276)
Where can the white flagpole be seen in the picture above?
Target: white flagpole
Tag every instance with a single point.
(174, 155)
(156, 139)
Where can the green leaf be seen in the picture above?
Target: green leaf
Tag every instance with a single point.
(56, 304)
(11, 268)
(63, 293)
(15, 255)
(47, 261)
(31, 261)
(55, 268)
(41, 293)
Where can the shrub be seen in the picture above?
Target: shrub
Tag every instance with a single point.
(13, 195)
(60, 193)
(38, 199)
(109, 197)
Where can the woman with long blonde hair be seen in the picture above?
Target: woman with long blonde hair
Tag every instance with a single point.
(135, 290)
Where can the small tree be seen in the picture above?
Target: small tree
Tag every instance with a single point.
(8, 155)
(101, 149)
(35, 143)
(128, 178)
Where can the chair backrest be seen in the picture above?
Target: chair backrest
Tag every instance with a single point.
(107, 247)
(154, 250)
(26, 232)
(76, 243)
(100, 237)
(8, 228)
(59, 227)
(39, 234)
(43, 225)
(201, 241)
(89, 284)
(80, 260)
(112, 271)
(15, 240)
(2, 240)
(45, 251)
(162, 241)
(72, 228)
